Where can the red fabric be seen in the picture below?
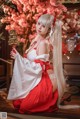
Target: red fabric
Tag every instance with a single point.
(25, 55)
(41, 98)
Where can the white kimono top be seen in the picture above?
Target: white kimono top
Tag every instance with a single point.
(26, 75)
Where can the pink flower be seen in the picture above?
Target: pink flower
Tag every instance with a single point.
(20, 22)
(33, 9)
(31, 2)
(8, 28)
(14, 17)
(50, 10)
(25, 8)
(21, 40)
(6, 20)
(18, 4)
(29, 16)
(32, 36)
(53, 2)
(33, 27)
(23, 1)
(36, 1)
(39, 10)
(62, 7)
(2, 20)
(5, 8)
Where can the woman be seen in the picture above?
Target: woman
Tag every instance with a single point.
(37, 86)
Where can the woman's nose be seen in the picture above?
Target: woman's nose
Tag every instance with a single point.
(40, 26)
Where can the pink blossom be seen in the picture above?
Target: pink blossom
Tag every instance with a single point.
(62, 7)
(14, 17)
(50, 10)
(78, 27)
(32, 36)
(18, 4)
(36, 1)
(5, 8)
(23, 21)
(76, 15)
(21, 40)
(57, 12)
(68, 20)
(19, 30)
(33, 9)
(23, 1)
(40, 9)
(53, 2)
(8, 28)
(25, 8)
(2, 20)
(13, 25)
(31, 2)
(33, 28)
(23, 15)
(23, 24)
(6, 20)
(29, 16)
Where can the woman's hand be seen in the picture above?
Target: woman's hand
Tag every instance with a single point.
(13, 53)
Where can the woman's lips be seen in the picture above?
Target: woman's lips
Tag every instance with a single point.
(39, 31)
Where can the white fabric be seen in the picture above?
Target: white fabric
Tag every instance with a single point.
(26, 75)
(32, 55)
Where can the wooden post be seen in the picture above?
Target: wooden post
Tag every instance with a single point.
(9, 73)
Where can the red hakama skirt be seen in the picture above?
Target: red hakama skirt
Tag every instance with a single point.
(41, 98)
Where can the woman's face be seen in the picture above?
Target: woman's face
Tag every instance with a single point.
(42, 29)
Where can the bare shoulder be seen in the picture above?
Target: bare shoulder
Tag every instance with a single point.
(43, 47)
(44, 43)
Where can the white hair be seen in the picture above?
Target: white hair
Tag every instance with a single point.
(46, 19)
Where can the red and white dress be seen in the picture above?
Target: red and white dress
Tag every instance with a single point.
(31, 88)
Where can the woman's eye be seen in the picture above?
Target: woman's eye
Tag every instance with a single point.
(43, 26)
(38, 23)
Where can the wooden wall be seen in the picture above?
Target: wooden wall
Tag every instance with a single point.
(72, 65)
(4, 51)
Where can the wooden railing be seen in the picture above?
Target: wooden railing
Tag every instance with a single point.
(9, 70)
(72, 73)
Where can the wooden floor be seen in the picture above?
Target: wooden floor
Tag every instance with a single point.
(6, 106)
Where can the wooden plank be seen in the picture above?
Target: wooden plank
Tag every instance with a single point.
(2, 70)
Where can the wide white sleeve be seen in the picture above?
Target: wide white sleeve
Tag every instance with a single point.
(26, 75)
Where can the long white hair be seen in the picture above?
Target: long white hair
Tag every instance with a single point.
(58, 68)
(55, 36)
